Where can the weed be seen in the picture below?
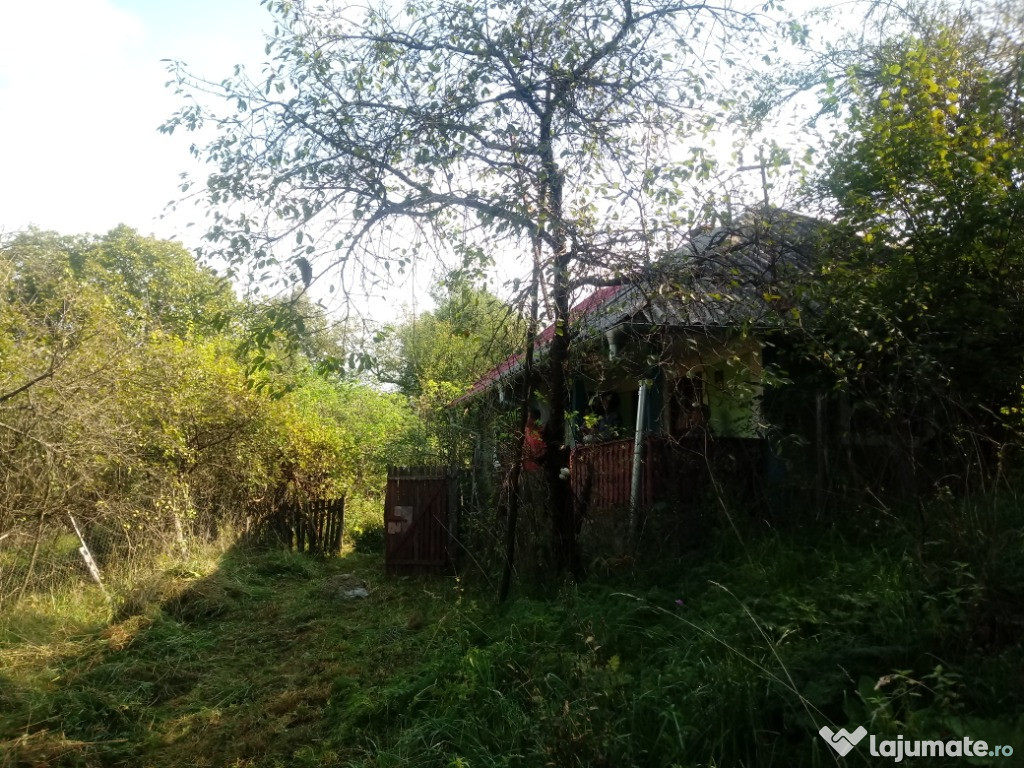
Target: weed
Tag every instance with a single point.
(734, 660)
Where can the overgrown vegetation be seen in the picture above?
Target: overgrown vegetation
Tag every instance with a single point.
(149, 412)
(565, 130)
(434, 357)
(134, 405)
(916, 311)
(735, 660)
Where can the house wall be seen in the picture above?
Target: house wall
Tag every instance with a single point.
(734, 395)
(728, 365)
(730, 371)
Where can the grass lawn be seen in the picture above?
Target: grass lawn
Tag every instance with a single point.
(253, 660)
(239, 666)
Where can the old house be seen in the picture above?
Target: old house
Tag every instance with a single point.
(668, 385)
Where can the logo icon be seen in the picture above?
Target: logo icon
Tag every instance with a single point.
(842, 741)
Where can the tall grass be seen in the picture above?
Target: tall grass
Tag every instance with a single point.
(734, 658)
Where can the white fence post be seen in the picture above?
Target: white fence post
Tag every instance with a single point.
(83, 550)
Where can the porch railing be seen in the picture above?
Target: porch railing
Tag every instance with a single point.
(674, 470)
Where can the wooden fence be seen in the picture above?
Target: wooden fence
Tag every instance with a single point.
(420, 517)
(672, 470)
(315, 526)
(601, 473)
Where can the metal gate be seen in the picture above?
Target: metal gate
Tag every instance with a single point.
(420, 516)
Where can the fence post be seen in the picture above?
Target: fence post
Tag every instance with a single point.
(452, 478)
(83, 550)
(638, 448)
(311, 521)
(339, 531)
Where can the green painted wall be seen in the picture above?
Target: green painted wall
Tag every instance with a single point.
(733, 394)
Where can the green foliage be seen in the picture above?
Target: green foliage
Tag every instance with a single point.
(290, 334)
(150, 284)
(132, 398)
(464, 116)
(369, 539)
(440, 354)
(563, 130)
(918, 309)
(340, 438)
(434, 358)
(736, 661)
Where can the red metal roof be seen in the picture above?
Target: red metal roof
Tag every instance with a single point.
(599, 298)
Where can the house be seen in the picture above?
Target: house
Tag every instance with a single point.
(668, 371)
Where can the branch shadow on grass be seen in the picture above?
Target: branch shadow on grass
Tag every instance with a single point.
(235, 666)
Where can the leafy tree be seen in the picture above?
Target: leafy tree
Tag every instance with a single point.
(293, 333)
(435, 357)
(153, 284)
(127, 401)
(448, 349)
(921, 316)
(113, 385)
(550, 126)
(156, 282)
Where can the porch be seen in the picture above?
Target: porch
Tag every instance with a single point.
(679, 479)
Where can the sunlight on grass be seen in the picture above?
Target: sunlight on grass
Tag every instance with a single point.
(252, 660)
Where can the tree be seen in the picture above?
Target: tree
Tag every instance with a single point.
(112, 387)
(447, 349)
(548, 128)
(435, 357)
(152, 284)
(126, 402)
(922, 311)
(289, 333)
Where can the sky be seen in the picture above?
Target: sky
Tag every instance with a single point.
(82, 93)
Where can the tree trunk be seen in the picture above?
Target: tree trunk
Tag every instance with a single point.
(516, 474)
(556, 455)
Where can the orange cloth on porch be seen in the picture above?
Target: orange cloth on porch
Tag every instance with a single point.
(533, 447)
